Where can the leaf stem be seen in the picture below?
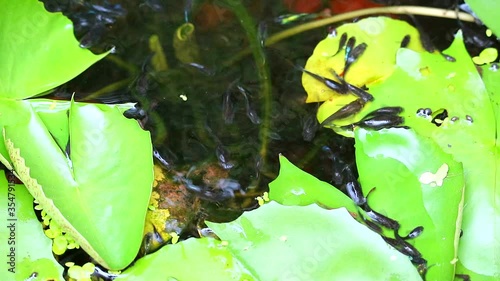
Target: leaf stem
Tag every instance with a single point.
(257, 49)
(413, 10)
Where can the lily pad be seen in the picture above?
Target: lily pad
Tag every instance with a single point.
(277, 242)
(24, 238)
(38, 50)
(487, 11)
(193, 259)
(383, 37)
(402, 166)
(463, 124)
(468, 133)
(297, 188)
(82, 188)
(491, 76)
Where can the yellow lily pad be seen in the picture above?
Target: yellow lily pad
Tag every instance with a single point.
(383, 36)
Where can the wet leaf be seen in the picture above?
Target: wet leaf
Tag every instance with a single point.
(192, 259)
(38, 50)
(487, 11)
(33, 254)
(298, 188)
(84, 192)
(462, 123)
(383, 37)
(396, 162)
(491, 78)
(468, 133)
(277, 242)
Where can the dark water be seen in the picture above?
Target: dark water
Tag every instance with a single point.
(225, 121)
(221, 121)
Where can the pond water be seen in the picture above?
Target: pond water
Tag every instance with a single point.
(207, 105)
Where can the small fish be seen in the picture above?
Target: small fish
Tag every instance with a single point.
(135, 113)
(115, 10)
(414, 233)
(353, 56)
(201, 68)
(259, 164)
(380, 122)
(330, 83)
(371, 225)
(347, 87)
(154, 5)
(206, 193)
(364, 95)
(345, 111)
(222, 155)
(310, 127)
(92, 36)
(188, 9)
(228, 109)
(262, 33)
(338, 166)
(403, 247)
(252, 114)
(388, 110)
(406, 41)
(354, 191)
(274, 136)
(349, 46)
(381, 219)
(207, 232)
(167, 163)
(449, 58)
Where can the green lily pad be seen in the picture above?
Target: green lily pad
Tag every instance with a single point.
(298, 188)
(277, 242)
(491, 78)
(402, 166)
(193, 259)
(383, 36)
(468, 133)
(487, 11)
(99, 193)
(38, 50)
(23, 238)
